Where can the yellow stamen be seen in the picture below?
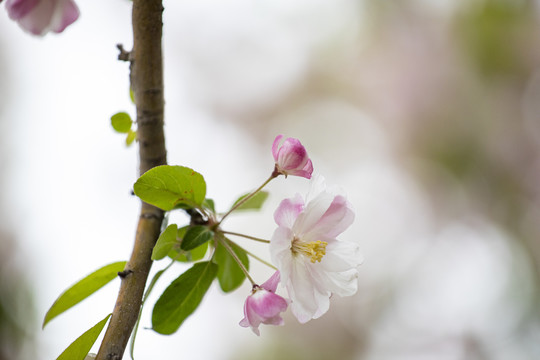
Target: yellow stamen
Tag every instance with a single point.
(315, 250)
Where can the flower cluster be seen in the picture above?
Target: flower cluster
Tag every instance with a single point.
(312, 263)
(41, 16)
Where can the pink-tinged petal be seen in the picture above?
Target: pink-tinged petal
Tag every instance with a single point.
(67, 14)
(18, 8)
(313, 211)
(38, 19)
(275, 147)
(42, 16)
(306, 171)
(272, 283)
(291, 157)
(335, 220)
(263, 307)
(288, 210)
(267, 305)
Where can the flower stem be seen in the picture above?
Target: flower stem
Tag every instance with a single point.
(261, 260)
(247, 197)
(246, 236)
(223, 240)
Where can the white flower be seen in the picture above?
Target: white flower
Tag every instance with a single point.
(312, 262)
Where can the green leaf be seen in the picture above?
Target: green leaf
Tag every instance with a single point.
(84, 288)
(230, 275)
(167, 186)
(195, 236)
(189, 256)
(182, 297)
(82, 345)
(132, 95)
(178, 254)
(209, 204)
(131, 136)
(121, 122)
(255, 203)
(165, 242)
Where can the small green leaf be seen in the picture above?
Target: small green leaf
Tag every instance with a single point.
(131, 136)
(165, 242)
(121, 122)
(132, 95)
(82, 345)
(189, 256)
(195, 236)
(178, 254)
(230, 275)
(182, 297)
(209, 204)
(84, 288)
(255, 203)
(167, 186)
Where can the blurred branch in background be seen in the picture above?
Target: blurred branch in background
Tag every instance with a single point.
(16, 305)
(17, 313)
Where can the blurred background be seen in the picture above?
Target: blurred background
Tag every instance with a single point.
(427, 113)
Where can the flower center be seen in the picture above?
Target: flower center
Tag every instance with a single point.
(315, 250)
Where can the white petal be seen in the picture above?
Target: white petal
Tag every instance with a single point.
(323, 304)
(317, 185)
(300, 287)
(280, 243)
(342, 283)
(280, 252)
(341, 256)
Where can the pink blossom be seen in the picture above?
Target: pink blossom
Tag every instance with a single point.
(263, 306)
(312, 262)
(291, 158)
(42, 16)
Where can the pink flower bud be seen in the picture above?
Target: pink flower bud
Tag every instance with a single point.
(42, 16)
(263, 306)
(291, 158)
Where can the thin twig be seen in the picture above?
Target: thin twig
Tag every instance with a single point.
(258, 258)
(223, 240)
(246, 198)
(246, 236)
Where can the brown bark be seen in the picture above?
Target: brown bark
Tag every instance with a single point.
(147, 85)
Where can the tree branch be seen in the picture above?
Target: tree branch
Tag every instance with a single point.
(147, 85)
